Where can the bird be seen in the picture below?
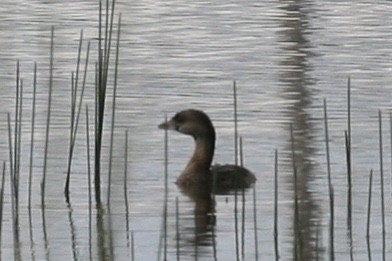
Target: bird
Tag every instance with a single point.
(199, 175)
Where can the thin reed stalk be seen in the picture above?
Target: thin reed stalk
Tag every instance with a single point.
(276, 246)
(382, 185)
(75, 116)
(390, 136)
(15, 221)
(348, 161)
(237, 245)
(15, 169)
(1, 202)
(368, 215)
(241, 153)
(349, 197)
(99, 112)
(177, 230)
(297, 232)
(89, 185)
(10, 145)
(126, 186)
(236, 163)
(15, 162)
(32, 134)
(330, 187)
(331, 226)
(15, 159)
(73, 105)
(369, 204)
(108, 35)
(16, 125)
(45, 234)
(349, 119)
(43, 182)
(31, 234)
(327, 146)
(235, 123)
(369, 250)
(113, 109)
(72, 118)
(72, 231)
(255, 225)
(243, 204)
(165, 211)
(11, 173)
(349, 183)
(18, 139)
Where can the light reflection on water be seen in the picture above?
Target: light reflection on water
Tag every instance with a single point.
(285, 56)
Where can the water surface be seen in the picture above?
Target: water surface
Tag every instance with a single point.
(285, 56)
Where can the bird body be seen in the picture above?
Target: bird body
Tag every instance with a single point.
(198, 173)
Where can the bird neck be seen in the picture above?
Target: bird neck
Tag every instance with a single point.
(202, 155)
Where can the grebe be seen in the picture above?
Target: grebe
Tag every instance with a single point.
(198, 173)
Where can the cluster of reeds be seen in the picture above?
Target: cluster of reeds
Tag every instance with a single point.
(347, 136)
(102, 67)
(78, 86)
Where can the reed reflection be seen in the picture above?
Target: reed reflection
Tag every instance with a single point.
(297, 82)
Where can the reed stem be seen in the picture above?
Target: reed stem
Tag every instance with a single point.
(332, 226)
(126, 185)
(177, 230)
(18, 141)
(382, 185)
(237, 245)
(10, 145)
(276, 246)
(1, 202)
(165, 211)
(16, 125)
(89, 185)
(349, 119)
(255, 226)
(43, 183)
(369, 204)
(32, 134)
(235, 123)
(390, 134)
(75, 119)
(243, 204)
(349, 197)
(113, 108)
(99, 109)
(297, 232)
(327, 146)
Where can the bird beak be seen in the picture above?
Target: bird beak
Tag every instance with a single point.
(167, 125)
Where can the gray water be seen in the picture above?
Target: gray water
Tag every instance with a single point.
(285, 56)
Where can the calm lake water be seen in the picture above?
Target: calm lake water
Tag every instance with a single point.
(285, 56)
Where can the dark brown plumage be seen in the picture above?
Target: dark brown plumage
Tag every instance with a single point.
(198, 174)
